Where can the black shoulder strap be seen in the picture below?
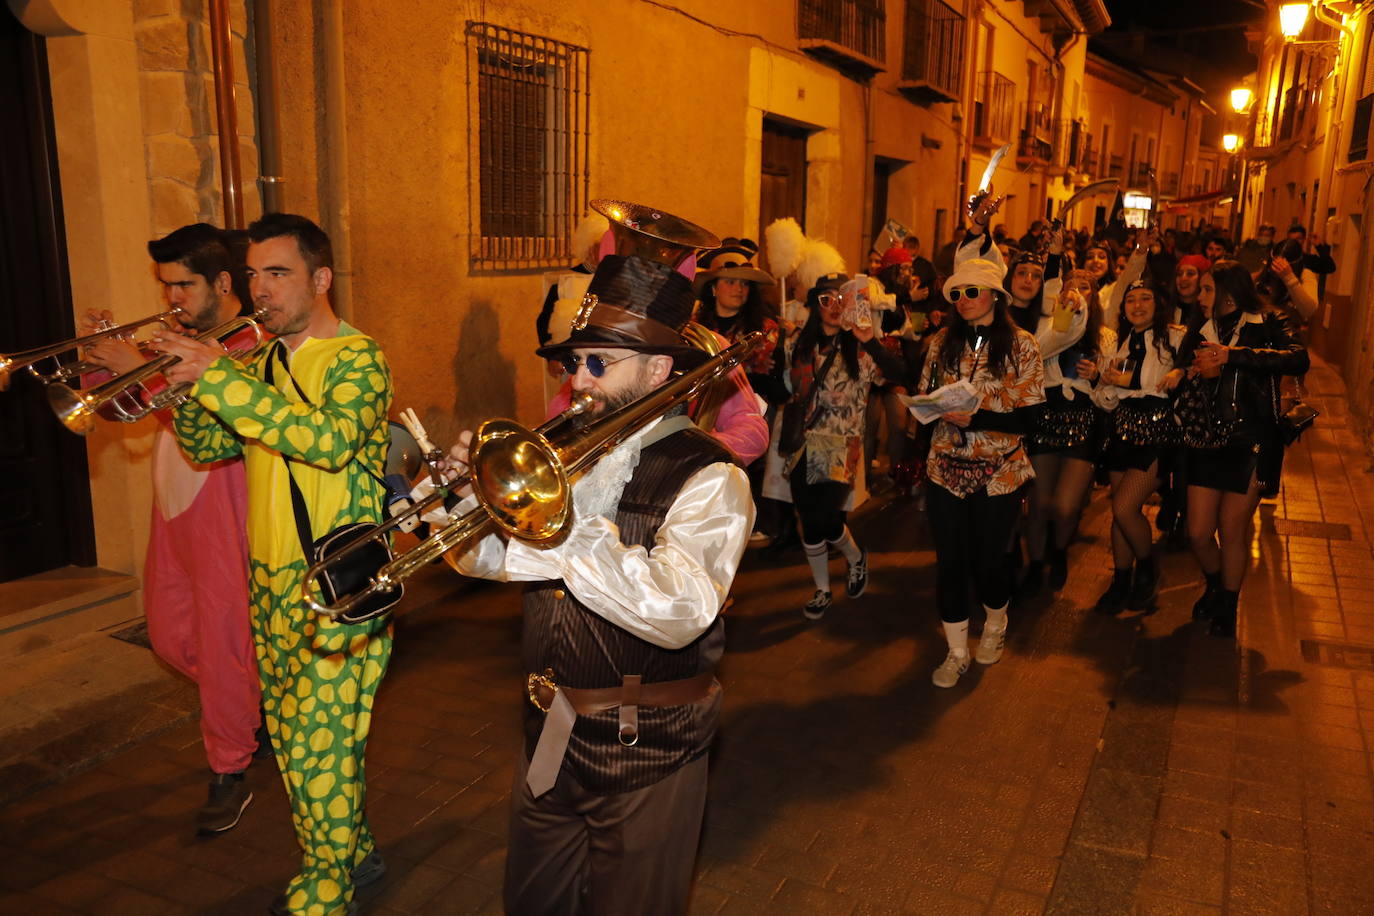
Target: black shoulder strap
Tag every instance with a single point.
(278, 353)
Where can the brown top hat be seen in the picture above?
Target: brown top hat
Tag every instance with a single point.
(638, 299)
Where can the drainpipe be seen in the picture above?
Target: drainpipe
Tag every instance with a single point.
(226, 115)
(336, 215)
(269, 146)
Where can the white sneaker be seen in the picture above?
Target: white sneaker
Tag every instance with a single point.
(990, 646)
(954, 665)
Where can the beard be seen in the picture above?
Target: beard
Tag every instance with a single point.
(207, 317)
(606, 403)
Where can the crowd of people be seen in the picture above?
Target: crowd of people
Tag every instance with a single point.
(1157, 365)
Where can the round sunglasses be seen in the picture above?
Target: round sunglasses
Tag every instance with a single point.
(596, 363)
(966, 292)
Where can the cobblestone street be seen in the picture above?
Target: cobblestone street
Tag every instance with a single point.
(1106, 765)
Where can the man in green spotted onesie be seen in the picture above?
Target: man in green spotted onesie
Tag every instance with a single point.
(317, 397)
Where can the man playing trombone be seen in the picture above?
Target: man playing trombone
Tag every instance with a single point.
(195, 579)
(622, 626)
(308, 415)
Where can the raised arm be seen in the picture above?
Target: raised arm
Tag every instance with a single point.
(357, 391)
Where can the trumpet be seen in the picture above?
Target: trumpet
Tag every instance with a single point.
(522, 479)
(132, 396)
(65, 372)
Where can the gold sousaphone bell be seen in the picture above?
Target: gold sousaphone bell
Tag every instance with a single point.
(522, 477)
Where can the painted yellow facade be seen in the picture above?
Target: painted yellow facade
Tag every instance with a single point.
(1308, 159)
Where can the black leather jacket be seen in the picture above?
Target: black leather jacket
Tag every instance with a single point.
(1248, 389)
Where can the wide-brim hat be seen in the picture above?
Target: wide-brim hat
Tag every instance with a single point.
(634, 304)
(733, 268)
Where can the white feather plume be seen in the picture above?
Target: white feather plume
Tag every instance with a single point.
(588, 233)
(784, 241)
(817, 259)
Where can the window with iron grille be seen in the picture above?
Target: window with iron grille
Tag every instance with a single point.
(854, 24)
(934, 53)
(528, 164)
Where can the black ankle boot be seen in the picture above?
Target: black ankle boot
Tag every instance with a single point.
(1224, 617)
(1144, 587)
(1059, 567)
(1206, 605)
(1113, 600)
(1033, 580)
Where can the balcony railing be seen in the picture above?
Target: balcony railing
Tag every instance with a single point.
(848, 33)
(1033, 149)
(1070, 144)
(933, 52)
(993, 109)
(1088, 164)
(1168, 184)
(1140, 174)
(1115, 166)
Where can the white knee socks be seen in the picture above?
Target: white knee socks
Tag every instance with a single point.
(818, 557)
(846, 545)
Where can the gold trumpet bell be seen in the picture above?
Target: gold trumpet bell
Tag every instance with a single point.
(520, 480)
(652, 234)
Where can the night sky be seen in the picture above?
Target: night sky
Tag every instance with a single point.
(1177, 38)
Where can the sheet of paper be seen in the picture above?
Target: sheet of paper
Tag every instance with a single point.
(956, 397)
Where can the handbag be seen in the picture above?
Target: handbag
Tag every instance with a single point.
(1296, 420)
(1199, 422)
(341, 579)
(799, 413)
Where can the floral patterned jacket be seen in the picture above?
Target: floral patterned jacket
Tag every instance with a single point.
(1022, 385)
(834, 442)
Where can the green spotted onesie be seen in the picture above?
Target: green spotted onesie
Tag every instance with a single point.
(318, 676)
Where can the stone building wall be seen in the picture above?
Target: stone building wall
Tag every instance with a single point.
(180, 130)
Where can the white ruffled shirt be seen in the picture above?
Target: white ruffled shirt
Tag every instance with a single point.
(667, 596)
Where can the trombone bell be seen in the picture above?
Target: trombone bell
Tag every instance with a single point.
(520, 480)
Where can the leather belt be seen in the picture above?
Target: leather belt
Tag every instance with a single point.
(562, 706)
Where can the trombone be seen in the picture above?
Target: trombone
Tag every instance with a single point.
(65, 372)
(132, 396)
(522, 480)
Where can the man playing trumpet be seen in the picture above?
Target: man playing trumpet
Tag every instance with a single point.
(309, 414)
(195, 577)
(622, 626)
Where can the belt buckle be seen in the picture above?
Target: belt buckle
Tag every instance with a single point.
(535, 681)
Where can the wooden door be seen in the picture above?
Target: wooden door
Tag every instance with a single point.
(782, 190)
(45, 506)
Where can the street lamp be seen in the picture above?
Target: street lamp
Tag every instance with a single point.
(1230, 142)
(1292, 19)
(1240, 99)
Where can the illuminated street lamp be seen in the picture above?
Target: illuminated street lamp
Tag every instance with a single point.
(1240, 99)
(1230, 142)
(1292, 19)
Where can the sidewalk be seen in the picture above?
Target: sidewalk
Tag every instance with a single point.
(1129, 765)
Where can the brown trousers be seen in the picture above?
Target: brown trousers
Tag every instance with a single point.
(572, 853)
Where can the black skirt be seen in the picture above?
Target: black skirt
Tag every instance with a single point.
(1227, 469)
(1142, 429)
(1071, 429)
